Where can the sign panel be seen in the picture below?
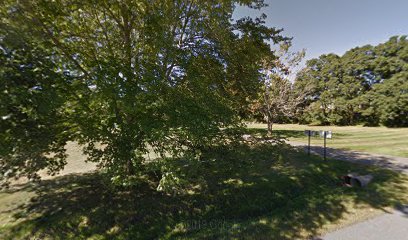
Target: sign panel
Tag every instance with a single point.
(321, 133)
(318, 133)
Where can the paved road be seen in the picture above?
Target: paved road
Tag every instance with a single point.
(392, 225)
(387, 226)
(390, 162)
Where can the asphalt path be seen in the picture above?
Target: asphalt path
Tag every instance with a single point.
(392, 225)
(399, 164)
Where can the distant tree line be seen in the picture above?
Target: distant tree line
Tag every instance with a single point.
(367, 85)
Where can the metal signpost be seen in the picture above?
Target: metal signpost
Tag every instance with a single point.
(308, 148)
(324, 134)
(308, 133)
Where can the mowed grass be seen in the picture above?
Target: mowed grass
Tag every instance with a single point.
(241, 191)
(379, 140)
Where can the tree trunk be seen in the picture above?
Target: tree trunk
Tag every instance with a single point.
(270, 123)
(130, 169)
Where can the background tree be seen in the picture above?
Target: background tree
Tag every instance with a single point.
(278, 98)
(123, 78)
(366, 85)
(389, 101)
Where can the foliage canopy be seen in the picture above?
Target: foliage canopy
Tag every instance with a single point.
(278, 98)
(123, 78)
(367, 85)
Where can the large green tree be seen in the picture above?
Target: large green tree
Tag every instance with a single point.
(366, 85)
(123, 78)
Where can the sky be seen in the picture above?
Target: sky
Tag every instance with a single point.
(334, 26)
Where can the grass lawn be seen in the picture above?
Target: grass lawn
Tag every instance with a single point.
(380, 140)
(260, 191)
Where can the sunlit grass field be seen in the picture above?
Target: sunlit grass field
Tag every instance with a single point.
(378, 140)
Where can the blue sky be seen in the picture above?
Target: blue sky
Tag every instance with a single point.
(334, 26)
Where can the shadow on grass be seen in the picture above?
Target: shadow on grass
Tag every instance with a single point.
(260, 191)
(389, 162)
